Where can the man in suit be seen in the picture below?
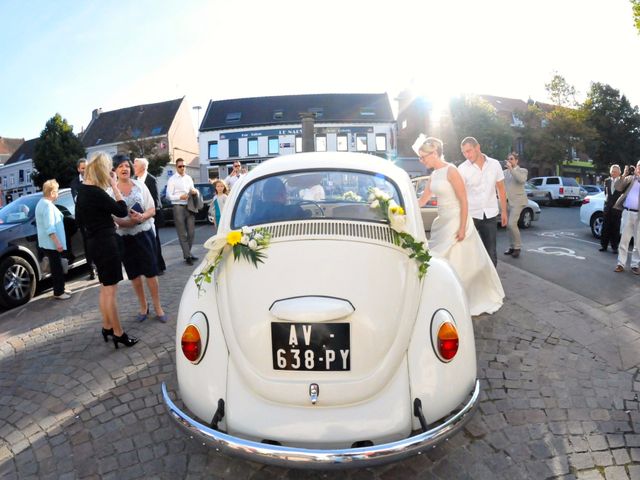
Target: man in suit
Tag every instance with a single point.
(628, 204)
(514, 180)
(140, 166)
(611, 226)
(78, 180)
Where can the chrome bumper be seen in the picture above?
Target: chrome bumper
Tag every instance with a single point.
(322, 459)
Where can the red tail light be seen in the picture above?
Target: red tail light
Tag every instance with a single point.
(191, 343)
(586, 200)
(448, 341)
(561, 190)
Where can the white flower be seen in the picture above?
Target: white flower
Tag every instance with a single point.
(253, 244)
(398, 222)
(244, 240)
(246, 230)
(384, 196)
(258, 236)
(216, 243)
(375, 204)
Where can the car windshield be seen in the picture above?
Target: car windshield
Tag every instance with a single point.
(20, 210)
(302, 195)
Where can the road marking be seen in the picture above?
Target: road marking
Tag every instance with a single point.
(570, 235)
(558, 251)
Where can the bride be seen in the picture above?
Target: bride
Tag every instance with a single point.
(453, 235)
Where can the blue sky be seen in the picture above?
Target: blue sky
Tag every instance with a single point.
(73, 56)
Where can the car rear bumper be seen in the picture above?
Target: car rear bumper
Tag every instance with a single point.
(323, 459)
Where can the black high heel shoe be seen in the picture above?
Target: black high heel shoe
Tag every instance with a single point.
(107, 333)
(124, 339)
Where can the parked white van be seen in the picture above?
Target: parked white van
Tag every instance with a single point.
(563, 190)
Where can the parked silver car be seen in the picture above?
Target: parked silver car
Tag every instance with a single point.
(530, 213)
(539, 195)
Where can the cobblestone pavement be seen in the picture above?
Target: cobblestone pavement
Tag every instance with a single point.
(559, 373)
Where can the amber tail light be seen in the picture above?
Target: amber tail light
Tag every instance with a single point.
(447, 341)
(191, 343)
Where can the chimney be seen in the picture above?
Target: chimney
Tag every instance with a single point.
(96, 113)
(308, 131)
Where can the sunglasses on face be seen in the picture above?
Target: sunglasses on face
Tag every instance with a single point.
(180, 166)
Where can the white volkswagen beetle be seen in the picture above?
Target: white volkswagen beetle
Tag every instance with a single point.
(311, 336)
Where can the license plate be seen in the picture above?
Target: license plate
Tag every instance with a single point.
(319, 347)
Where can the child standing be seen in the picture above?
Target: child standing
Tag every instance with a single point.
(218, 200)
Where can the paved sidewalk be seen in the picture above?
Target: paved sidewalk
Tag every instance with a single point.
(559, 374)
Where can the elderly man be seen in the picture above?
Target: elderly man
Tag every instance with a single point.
(628, 203)
(140, 167)
(482, 177)
(179, 188)
(612, 216)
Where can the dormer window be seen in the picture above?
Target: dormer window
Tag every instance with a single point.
(367, 112)
(317, 111)
(233, 117)
(278, 114)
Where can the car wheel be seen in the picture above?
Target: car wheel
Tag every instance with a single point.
(597, 222)
(549, 200)
(18, 282)
(526, 217)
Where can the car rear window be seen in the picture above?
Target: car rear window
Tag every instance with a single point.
(569, 182)
(316, 194)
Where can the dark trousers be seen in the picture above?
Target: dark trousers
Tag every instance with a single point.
(57, 274)
(185, 222)
(87, 255)
(611, 228)
(487, 230)
(161, 265)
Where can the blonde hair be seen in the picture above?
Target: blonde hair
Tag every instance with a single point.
(98, 171)
(432, 144)
(49, 187)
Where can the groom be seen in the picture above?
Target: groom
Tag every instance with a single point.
(482, 176)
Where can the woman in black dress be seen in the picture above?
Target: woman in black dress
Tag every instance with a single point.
(94, 210)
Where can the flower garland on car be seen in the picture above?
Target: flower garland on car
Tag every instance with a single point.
(394, 214)
(351, 196)
(247, 243)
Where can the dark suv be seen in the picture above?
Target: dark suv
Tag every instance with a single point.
(206, 190)
(22, 265)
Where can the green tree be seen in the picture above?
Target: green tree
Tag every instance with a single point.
(56, 153)
(475, 117)
(149, 149)
(560, 92)
(554, 135)
(635, 8)
(617, 125)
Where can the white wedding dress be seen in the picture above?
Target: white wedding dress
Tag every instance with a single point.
(469, 258)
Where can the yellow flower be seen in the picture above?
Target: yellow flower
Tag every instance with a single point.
(397, 210)
(234, 237)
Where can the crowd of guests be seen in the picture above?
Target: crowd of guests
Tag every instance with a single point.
(117, 201)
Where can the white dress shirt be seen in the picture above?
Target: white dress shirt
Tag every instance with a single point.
(178, 185)
(481, 186)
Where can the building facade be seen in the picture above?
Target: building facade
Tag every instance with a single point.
(15, 174)
(252, 130)
(167, 126)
